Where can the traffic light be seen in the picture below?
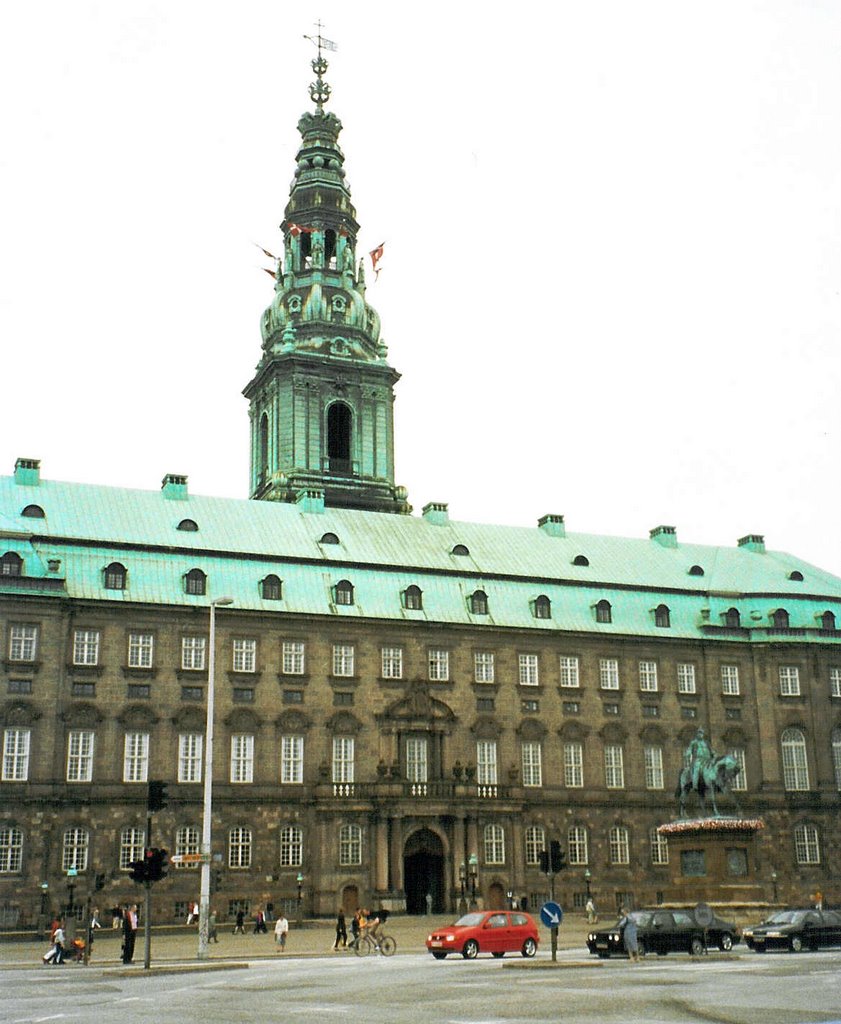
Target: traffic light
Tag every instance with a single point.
(138, 870)
(544, 861)
(157, 796)
(557, 857)
(156, 864)
(216, 880)
(99, 882)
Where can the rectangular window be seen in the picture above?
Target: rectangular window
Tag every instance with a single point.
(86, 647)
(192, 693)
(392, 662)
(291, 846)
(242, 757)
(789, 681)
(577, 845)
(23, 643)
(806, 845)
(132, 845)
(187, 841)
(835, 682)
(653, 767)
(417, 768)
(529, 672)
(20, 686)
(292, 759)
(740, 783)
(659, 847)
(343, 658)
(439, 665)
(138, 691)
(342, 700)
(730, 680)
(15, 754)
(485, 704)
(239, 847)
(532, 764)
(189, 756)
(569, 672)
(620, 850)
(573, 765)
(483, 666)
(136, 757)
(245, 656)
(528, 707)
(535, 843)
(294, 696)
(648, 676)
(685, 677)
(192, 653)
(486, 762)
(140, 650)
(80, 755)
(614, 766)
(343, 758)
(494, 844)
(350, 845)
(11, 850)
(293, 658)
(609, 673)
(74, 852)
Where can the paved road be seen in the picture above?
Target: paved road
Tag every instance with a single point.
(411, 988)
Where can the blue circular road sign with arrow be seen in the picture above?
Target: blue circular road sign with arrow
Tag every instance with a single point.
(551, 914)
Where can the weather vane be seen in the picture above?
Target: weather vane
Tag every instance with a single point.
(319, 89)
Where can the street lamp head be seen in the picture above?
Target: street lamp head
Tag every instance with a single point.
(473, 861)
(300, 878)
(587, 874)
(217, 601)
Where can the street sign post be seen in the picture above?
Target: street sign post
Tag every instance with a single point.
(551, 914)
(186, 858)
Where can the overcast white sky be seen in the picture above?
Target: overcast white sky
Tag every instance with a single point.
(613, 247)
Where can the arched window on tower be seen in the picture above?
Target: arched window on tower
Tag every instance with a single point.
(343, 592)
(305, 245)
(264, 448)
(271, 588)
(542, 607)
(828, 620)
(330, 249)
(339, 425)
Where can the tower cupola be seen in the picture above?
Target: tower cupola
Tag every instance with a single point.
(321, 400)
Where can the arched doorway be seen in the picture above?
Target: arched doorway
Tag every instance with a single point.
(496, 897)
(423, 872)
(350, 900)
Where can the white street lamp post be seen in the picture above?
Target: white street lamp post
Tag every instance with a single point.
(207, 803)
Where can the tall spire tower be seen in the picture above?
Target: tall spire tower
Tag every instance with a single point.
(321, 399)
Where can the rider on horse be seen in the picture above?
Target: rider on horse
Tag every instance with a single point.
(700, 754)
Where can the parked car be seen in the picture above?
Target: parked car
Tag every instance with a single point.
(486, 931)
(665, 931)
(795, 930)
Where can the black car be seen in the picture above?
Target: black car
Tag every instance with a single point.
(665, 931)
(795, 930)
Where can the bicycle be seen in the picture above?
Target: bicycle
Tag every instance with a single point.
(383, 944)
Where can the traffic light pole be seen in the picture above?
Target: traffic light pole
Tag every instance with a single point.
(147, 904)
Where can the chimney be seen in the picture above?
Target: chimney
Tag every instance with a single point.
(552, 525)
(310, 499)
(28, 472)
(436, 513)
(174, 487)
(666, 536)
(753, 542)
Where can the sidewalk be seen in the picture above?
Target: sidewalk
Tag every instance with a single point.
(313, 938)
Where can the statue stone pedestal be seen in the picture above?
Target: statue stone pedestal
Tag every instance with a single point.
(714, 860)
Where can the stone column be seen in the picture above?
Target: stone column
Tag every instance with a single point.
(381, 856)
(396, 854)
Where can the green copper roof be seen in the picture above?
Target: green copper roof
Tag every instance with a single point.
(237, 543)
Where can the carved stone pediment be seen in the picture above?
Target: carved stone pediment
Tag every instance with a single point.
(654, 734)
(189, 720)
(613, 732)
(82, 715)
(137, 716)
(20, 712)
(573, 732)
(486, 728)
(344, 722)
(531, 729)
(418, 706)
(293, 721)
(243, 720)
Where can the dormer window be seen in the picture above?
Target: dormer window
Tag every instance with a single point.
(780, 619)
(115, 576)
(662, 616)
(461, 549)
(294, 304)
(33, 512)
(11, 564)
(271, 588)
(479, 602)
(329, 538)
(796, 575)
(696, 570)
(732, 618)
(581, 560)
(343, 592)
(195, 582)
(828, 620)
(604, 612)
(542, 607)
(413, 598)
(188, 525)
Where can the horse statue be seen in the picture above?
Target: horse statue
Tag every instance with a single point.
(715, 776)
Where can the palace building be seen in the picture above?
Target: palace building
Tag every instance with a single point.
(404, 704)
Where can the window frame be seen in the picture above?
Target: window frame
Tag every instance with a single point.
(649, 682)
(81, 747)
(190, 757)
(292, 760)
(242, 758)
(614, 766)
(569, 667)
(86, 647)
(136, 756)
(17, 744)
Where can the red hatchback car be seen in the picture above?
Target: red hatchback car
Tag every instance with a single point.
(486, 931)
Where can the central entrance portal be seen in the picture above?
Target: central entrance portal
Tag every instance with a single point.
(423, 872)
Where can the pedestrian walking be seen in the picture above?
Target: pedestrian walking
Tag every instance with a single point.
(260, 923)
(239, 925)
(129, 933)
(281, 930)
(356, 928)
(212, 931)
(341, 930)
(629, 937)
(55, 954)
(592, 915)
(428, 899)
